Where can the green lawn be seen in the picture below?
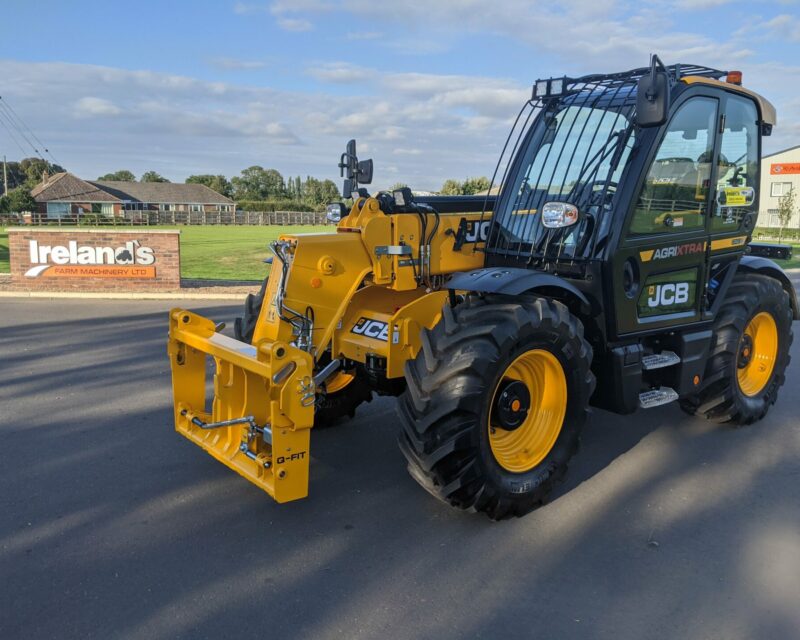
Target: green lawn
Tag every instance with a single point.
(232, 253)
(236, 253)
(216, 253)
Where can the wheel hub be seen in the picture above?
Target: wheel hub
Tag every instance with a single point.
(745, 351)
(512, 405)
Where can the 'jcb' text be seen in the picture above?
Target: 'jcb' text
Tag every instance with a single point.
(665, 295)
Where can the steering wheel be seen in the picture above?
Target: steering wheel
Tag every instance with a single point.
(607, 188)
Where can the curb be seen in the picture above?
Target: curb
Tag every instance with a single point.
(115, 295)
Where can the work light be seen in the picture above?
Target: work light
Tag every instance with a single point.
(556, 215)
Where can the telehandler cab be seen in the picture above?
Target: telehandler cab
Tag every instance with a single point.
(613, 268)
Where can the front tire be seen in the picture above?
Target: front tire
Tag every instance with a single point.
(749, 353)
(466, 445)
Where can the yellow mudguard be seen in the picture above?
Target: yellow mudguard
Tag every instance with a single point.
(262, 408)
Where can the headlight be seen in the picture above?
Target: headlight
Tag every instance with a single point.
(556, 215)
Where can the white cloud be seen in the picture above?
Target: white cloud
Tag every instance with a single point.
(294, 24)
(91, 106)
(339, 72)
(179, 125)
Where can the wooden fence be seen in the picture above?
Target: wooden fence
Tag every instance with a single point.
(173, 218)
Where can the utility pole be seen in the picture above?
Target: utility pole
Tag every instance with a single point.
(5, 178)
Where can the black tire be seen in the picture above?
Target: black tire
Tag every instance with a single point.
(245, 326)
(330, 407)
(720, 398)
(451, 383)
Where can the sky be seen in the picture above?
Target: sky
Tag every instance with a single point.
(427, 87)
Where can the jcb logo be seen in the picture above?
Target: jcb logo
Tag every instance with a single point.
(477, 231)
(665, 295)
(371, 329)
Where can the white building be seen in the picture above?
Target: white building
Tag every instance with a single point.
(780, 172)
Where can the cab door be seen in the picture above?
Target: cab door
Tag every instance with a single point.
(659, 270)
(735, 206)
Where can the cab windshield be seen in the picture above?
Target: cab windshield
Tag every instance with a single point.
(575, 151)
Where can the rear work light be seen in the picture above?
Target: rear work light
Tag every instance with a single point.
(549, 88)
(734, 77)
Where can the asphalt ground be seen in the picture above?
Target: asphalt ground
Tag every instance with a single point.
(113, 526)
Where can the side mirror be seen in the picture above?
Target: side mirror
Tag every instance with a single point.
(353, 170)
(652, 95)
(652, 99)
(365, 171)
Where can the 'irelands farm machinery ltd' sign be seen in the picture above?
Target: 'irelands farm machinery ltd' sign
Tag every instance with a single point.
(94, 259)
(131, 260)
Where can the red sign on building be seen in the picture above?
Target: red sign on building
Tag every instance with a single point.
(782, 168)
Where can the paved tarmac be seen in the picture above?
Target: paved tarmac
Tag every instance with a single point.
(113, 526)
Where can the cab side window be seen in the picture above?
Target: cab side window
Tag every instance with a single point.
(677, 186)
(737, 169)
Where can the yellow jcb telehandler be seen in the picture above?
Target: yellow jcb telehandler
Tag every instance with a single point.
(613, 268)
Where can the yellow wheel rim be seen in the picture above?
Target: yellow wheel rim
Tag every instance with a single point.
(339, 381)
(523, 448)
(758, 350)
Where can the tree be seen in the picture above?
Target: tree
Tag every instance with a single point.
(19, 200)
(318, 192)
(123, 175)
(258, 183)
(152, 176)
(218, 183)
(451, 188)
(15, 175)
(786, 206)
(34, 169)
(472, 186)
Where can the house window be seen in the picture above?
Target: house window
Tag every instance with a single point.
(195, 208)
(166, 207)
(224, 208)
(778, 189)
(58, 209)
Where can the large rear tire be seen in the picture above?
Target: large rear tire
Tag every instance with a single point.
(495, 404)
(749, 353)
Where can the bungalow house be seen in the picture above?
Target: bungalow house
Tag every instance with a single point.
(65, 195)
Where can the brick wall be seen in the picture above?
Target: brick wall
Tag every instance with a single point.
(94, 259)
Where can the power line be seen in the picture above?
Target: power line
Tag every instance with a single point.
(35, 137)
(11, 134)
(4, 110)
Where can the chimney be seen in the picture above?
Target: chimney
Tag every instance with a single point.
(45, 175)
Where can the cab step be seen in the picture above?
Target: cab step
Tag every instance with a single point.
(660, 360)
(657, 397)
